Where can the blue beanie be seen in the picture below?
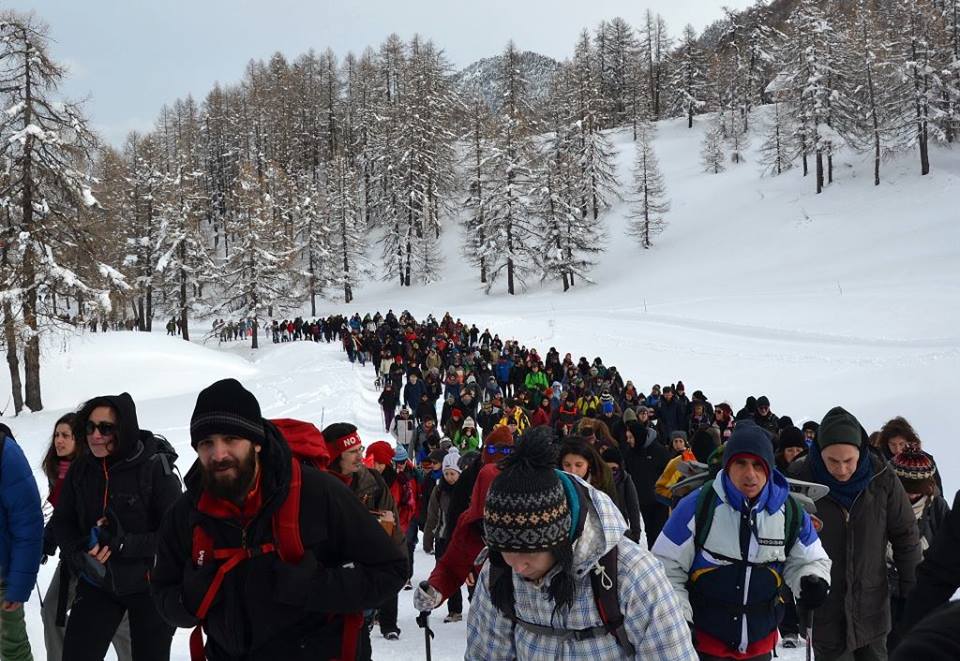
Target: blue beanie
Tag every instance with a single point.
(748, 438)
(400, 455)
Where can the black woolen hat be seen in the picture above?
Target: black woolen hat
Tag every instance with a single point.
(791, 437)
(526, 509)
(226, 407)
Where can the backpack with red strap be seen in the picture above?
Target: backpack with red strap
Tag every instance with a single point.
(307, 445)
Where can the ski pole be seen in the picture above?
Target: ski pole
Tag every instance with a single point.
(423, 621)
(39, 594)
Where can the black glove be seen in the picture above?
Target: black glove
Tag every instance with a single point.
(294, 582)
(813, 592)
(196, 582)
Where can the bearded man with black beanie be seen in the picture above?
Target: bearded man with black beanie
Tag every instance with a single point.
(547, 532)
(275, 559)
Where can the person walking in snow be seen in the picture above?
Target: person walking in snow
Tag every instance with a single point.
(866, 508)
(548, 533)
(110, 508)
(298, 554)
(65, 447)
(729, 546)
(438, 528)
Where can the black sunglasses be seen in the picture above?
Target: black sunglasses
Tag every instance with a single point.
(105, 428)
(499, 449)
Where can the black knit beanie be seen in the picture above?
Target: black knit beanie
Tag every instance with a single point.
(226, 407)
(526, 508)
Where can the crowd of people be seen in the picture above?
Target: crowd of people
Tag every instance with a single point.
(586, 519)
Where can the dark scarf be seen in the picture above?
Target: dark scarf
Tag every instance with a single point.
(845, 493)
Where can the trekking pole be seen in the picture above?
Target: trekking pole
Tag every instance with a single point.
(805, 618)
(39, 594)
(423, 621)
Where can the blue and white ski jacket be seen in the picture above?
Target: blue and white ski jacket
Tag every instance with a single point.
(729, 589)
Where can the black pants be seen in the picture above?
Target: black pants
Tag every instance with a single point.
(455, 601)
(95, 616)
(654, 516)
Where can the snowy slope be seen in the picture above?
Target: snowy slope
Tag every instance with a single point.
(758, 286)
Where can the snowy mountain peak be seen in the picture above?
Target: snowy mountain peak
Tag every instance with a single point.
(537, 70)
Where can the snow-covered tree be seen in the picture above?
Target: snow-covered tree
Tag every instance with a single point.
(512, 249)
(616, 48)
(655, 44)
(596, 180)
(688, 80)
(256, 279)
(46, 146)
(475, 163)
(712, 154)
(348, 263)
(649, 200)
(778, 150)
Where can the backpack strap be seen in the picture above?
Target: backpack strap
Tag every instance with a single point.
(288, 545)
(604, 581)
(703, 515)
(793, 521)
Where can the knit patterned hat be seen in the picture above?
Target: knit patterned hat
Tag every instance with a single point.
(226, 407)
(526, 509)
(914, 468)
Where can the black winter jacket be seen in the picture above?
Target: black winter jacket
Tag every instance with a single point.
(251, 618)
(938, 576)
(139, 488)
(645, 461)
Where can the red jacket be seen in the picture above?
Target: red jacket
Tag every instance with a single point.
(467, 540)
(540, 417)
(406, 494)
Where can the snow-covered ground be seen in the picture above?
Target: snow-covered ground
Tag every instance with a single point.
(758, 286)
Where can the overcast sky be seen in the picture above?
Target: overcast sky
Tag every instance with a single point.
(128, 57)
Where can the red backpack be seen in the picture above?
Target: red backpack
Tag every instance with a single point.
(307, 445)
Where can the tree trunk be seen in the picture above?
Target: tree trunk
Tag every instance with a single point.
(819, 171)
(13, 362)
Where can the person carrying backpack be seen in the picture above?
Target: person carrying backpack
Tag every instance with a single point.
(729, 546)
(109, 511)
(561, 579)
(275, 559)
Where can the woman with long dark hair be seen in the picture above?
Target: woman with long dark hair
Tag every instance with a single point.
(64, 448)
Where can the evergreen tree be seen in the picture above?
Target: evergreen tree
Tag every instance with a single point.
(649, 203)
(712, 154)
(778, 150)
(511, 221)
(256, 279)
(475, 230)
(688, 77)
(46, 148)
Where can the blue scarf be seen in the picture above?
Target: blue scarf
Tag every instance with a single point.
(842, 492)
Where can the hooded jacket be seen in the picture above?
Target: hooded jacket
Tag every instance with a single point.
(652, 613)
(645, 460)
(131, 487)
(250, 617)
(707, 580)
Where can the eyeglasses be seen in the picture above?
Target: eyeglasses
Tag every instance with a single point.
(499, 449)
(105, 428)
